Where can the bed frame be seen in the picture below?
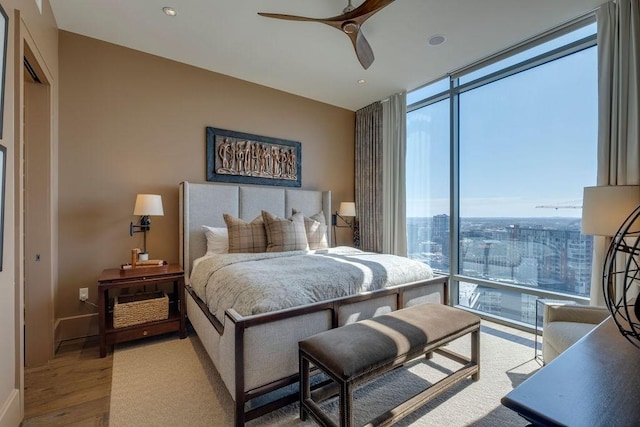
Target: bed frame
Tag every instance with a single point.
(258, 355)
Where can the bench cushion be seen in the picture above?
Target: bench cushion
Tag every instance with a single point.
(358, 348)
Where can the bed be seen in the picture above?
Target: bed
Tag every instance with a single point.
(255, 353)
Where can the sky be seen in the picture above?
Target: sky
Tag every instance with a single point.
(525, 141)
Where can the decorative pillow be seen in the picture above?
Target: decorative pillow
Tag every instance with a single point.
(316, 228)
(246, 237)
(285, 234)
(217, 239)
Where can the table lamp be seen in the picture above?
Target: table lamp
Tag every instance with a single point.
(614, 212)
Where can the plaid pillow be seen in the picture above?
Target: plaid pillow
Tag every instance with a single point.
(316, 229)
(285, 234)
(246, 237)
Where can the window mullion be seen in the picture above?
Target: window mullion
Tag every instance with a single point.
(454, 192)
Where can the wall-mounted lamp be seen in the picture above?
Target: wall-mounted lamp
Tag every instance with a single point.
(146, 205)
(347, 210)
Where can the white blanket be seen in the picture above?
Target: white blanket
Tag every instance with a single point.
(264, 282)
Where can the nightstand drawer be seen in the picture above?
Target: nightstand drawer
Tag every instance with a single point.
(143, 330)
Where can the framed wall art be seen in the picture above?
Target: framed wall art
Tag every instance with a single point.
(252, 159)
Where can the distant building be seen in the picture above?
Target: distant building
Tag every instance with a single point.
(543, 253)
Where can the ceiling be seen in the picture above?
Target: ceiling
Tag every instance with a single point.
(311, 59)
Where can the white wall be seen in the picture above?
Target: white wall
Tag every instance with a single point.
(10, 413)
(25, 21)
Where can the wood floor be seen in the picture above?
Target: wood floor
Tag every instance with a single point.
(71, 390)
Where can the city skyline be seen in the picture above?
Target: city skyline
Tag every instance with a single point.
(549, 253)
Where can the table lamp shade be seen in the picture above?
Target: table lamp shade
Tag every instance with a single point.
(148, 204)
(605, 208)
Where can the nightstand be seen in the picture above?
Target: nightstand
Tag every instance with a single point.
(114, 278)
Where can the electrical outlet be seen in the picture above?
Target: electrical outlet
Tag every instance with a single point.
(84, 294)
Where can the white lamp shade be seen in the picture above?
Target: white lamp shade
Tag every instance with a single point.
(148, 204)
(605, 208)
(347, 209)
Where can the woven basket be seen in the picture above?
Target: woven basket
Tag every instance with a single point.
(131, 310)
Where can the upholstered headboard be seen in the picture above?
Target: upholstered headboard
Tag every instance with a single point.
(204, 203)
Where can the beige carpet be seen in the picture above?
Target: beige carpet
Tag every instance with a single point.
(171, 382)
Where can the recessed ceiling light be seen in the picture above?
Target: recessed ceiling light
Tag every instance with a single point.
(437, 39)
(362, 81)
(169, 11)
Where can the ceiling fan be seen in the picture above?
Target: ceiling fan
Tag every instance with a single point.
(350, 23)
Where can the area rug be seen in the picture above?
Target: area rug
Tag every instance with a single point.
(172, 382)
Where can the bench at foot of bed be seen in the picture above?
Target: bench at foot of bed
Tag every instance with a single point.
(359, 352)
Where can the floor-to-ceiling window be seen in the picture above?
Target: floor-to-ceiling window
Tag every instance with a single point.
(428, 183)
(497, 159)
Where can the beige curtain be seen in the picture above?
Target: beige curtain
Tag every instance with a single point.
(394, 131)
(618, 109)
(368, 179)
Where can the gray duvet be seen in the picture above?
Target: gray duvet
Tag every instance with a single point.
(264, 282)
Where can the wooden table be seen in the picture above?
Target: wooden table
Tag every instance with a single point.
(113, 278)
(596, 382)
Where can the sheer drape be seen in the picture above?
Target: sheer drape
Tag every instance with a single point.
(394, 130)
(368, 179)
(618, 109)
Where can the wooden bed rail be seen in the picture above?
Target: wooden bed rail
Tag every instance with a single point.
(335, 304)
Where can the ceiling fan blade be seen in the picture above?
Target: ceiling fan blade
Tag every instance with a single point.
(363, 49)
(289, 17)
(349, 23)
(359, 14)
(362, 12)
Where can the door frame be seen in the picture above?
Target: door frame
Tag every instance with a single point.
(27, 48)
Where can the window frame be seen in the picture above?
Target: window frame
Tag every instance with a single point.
(453, 93)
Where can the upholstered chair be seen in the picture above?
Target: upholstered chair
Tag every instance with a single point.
(564, 325)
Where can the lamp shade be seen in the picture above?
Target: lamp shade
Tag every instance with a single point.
(347, 209)
(148, 204)
(605, 208)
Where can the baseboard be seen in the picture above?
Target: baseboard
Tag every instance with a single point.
(10, 415)
(68, 328)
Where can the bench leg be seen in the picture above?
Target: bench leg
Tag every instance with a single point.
(475, 352)
(346, 400)
(305, 387)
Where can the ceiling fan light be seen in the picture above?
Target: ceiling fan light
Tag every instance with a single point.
(350, 27)
(169, 11)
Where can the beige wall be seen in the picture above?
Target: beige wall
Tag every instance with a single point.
(129, 123)
(135, 123)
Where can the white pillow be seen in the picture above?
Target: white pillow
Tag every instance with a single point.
(217, 239)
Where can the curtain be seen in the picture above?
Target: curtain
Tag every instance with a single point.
(368, 179)
(618, 110)
(394, 141)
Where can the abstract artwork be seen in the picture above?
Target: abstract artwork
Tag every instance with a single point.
(252, 159)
